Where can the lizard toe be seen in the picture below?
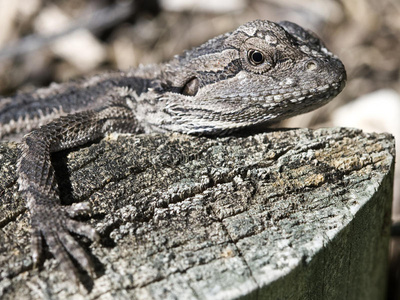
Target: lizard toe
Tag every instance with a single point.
(82, 229)
(79, 209)
(73, 248)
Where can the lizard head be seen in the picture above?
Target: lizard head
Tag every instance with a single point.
(260, 73)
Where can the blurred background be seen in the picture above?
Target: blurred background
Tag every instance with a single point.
(43, 41)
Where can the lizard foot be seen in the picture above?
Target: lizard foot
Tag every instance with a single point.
(55, 231)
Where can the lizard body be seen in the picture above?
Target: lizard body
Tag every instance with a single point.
(260, 73)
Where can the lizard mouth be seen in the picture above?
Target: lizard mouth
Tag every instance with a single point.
(292, 103)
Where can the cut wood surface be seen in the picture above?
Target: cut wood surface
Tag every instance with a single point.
(294, 214)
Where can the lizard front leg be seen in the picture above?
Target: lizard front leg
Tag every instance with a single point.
(49, 220)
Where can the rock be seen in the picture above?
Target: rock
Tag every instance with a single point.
(80, 47)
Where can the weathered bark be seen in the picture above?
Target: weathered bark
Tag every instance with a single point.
(296, 214)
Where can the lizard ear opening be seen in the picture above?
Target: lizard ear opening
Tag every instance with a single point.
(191, 87)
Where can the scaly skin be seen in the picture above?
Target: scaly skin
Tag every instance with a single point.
(260, 73)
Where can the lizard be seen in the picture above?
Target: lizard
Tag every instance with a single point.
(256, 75)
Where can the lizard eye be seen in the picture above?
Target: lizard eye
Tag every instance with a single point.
(255, 57)
(191, 87)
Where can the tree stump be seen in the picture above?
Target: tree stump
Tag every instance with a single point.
(295, 214)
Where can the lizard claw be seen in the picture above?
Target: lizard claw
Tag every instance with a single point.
(56, 232)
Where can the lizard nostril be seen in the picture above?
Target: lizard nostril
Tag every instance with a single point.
(311, 65)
